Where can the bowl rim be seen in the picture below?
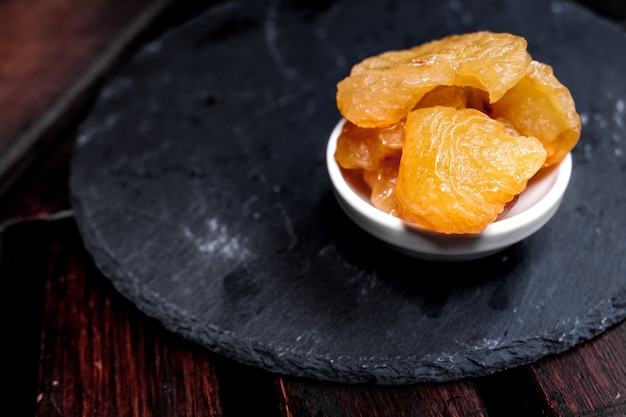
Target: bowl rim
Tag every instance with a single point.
(420, 242)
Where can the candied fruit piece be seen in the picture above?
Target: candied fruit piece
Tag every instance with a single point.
(443, 95)
(381, 90)
(540, 106)
(382, 183)
(459, 168)
(363, 148)
(392, 137)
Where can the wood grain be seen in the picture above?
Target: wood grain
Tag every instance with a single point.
(54, 54)
(97, 354)
(44, 45)
(43, 189)
(308, 398)
(589, 380)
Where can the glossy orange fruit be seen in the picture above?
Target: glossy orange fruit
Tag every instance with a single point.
(382, 183)
(540, 105)
(364, 148)
(381, 90)
(443, 95)
(459, 168)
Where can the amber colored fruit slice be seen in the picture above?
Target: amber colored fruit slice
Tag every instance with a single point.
(459, 168)
(381, 90)
(364, 148)
(382, 183)
(443, 95)
(540, 106)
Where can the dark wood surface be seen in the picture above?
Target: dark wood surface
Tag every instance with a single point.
(73, 346)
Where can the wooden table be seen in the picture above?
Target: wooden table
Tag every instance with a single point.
(72, 345)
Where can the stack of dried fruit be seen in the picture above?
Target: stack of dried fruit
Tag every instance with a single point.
(448, 132)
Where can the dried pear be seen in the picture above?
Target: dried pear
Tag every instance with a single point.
(381, 90)
(459, 168)
(540, 105)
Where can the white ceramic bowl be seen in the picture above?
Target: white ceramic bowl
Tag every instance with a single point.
(532, 210)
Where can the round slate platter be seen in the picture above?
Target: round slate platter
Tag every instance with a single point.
(200, 189)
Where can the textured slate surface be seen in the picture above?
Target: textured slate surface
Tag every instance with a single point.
(200, 189)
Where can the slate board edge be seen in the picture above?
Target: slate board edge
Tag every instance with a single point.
(399, 371)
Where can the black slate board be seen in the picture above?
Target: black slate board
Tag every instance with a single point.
(200, 188)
